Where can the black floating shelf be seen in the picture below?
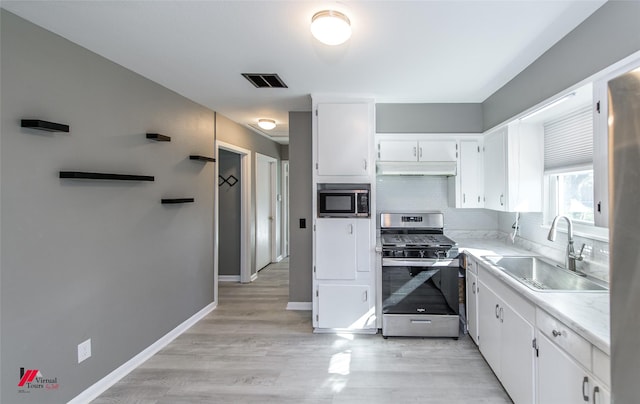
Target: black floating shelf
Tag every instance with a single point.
(44, 125)
(81, 175)
(158, 137)
(177, 200)
(202, 158)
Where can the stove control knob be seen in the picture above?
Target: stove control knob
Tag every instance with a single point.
(421, 253)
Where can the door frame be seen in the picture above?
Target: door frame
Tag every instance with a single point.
(284, 218)
(245, 207)
(274, 232)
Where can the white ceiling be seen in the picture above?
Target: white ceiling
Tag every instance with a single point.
(446, 51)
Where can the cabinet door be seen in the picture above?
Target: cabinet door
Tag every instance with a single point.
(344, 134)
(560, 379)
(495, 180)
(398, 150)
(437, 150)
(471, 176)
(472, 309)
(363, 245)
(489, 330)
(517, 356)
(336, 249)
(344, 306)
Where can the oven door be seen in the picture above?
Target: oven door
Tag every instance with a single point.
(420, 298)
(420, 287)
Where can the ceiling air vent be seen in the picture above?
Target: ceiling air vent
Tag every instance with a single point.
(265, 80)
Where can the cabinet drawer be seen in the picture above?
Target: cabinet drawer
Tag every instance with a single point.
(567, 339)
(602, 366)
(423, 325)
(472, 266)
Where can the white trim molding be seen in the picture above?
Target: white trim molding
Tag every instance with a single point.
(112, 378)
(229, 278)
(305, 306)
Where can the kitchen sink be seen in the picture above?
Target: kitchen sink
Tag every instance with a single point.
(540, 274)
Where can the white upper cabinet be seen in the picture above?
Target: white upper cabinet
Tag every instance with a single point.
(467, 188)
(513, 168)
(344, 135)
(417, 150)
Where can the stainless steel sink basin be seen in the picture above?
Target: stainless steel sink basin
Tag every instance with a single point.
(542, 275)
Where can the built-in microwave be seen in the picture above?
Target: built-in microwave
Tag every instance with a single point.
(334, 201)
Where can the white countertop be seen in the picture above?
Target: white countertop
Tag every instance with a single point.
(587, 313)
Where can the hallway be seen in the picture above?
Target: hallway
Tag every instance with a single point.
(251, 350)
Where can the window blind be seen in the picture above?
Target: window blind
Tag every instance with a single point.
(568, 141)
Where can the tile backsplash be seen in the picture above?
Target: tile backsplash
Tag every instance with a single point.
(429, 193)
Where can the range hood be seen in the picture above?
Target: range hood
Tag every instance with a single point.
(446, 168)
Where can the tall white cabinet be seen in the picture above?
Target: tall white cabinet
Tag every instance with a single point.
(344, 276)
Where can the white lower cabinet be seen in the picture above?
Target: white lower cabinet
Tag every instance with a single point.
(345, 307)
(561, 380)
(506, 343)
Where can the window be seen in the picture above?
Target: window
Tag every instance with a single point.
(569, 174)
(572, 195)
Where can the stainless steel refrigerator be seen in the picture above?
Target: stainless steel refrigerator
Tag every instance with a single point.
(624, 200)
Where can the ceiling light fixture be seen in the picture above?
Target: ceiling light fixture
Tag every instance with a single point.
(330, 27)
(266, 124)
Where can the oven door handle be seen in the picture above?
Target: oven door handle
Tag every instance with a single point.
(423, 262)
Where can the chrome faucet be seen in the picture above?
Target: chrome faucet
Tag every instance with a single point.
(571, 257)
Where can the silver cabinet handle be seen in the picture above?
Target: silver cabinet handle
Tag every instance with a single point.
(350, 229)
(464, 198)
(420, 152)
(596, 392)
(585, 382)
(501, 198)
(497, 315)
(415, 151)
(365, 164)
(556, 333)
(502, 314)
(473, 288)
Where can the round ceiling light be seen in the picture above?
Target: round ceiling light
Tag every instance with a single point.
(330, 27)
(266, 124)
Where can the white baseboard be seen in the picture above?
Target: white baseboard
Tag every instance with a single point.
(254, 277)
(229, 278)
(112, 378)
(299, 306)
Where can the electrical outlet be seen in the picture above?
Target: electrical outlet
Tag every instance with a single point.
(84, 350)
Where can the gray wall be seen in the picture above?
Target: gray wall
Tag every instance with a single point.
(607, 36)
(284, 151)
(429, 118)
(229, 215)
(229, 131)
(89, 259)
(300, 178)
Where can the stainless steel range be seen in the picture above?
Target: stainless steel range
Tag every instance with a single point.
(419, 276)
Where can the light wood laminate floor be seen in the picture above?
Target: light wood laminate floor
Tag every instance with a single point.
(252, 350)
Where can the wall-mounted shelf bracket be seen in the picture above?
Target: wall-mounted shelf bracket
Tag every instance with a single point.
(44, 125)
(202, 158)
(81, 175)
(158, 137)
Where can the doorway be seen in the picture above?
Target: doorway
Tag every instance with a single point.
(267, 231)
(284, 232)
(241, 185)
